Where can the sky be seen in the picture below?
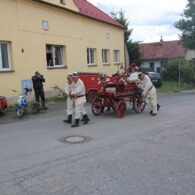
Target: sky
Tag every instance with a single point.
(149, 19)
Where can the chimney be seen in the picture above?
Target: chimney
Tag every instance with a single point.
(161, 39)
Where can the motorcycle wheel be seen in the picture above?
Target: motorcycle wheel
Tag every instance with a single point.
(20, 112)
(34, 111)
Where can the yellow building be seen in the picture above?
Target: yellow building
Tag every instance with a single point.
(55, 37)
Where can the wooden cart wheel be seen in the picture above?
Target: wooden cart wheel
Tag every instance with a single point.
(121, 109)
(96, 107)
(91, 96)
(139, 105)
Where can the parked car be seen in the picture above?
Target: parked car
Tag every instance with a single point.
(155, 78)
(3, 105)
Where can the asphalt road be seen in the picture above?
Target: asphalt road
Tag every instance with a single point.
(136, 155)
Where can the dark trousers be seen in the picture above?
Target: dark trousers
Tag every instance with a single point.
(39, 93)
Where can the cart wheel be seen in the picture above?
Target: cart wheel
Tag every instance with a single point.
(121, 108)
(97, 107)
(139, 105)
(91, 95)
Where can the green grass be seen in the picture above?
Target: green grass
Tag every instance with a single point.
(57, 99)
(173, 87)
(11, 108)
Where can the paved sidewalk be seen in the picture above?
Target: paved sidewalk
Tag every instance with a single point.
(59, 108)
(53, 109)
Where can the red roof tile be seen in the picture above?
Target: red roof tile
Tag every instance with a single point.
(89, 10)
(162, 50)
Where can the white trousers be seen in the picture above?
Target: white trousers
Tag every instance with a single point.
(80, 107)
(70, 106)
(151, 100)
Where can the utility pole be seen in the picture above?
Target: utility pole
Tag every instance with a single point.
(179, 75)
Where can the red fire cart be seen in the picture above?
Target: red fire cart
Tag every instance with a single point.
(91, 80)
(91, 84)
(114, 94)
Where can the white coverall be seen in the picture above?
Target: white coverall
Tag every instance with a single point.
(70, 101)
(133, 78)
(79, 97)
(149, 92)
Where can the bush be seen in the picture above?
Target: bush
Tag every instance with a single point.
(171, 71)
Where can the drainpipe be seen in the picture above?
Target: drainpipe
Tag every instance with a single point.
(126, 56)
(179, 80)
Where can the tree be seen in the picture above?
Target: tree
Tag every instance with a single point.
(120, 17)
(132, 47)
(134, 52)
(187, 25)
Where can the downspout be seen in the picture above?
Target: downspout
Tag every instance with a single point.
(126, 56)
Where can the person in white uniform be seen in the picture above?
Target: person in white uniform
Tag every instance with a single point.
(133, 77)
(78, 94)
(70, 102)
(149, 93)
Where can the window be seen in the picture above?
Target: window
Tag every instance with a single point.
(90, 56)
(116, 56)
(55, 56)
(4, 56)
(45, 25)
(26, 84)
(152, 66)
(62, 2)
(105, 56)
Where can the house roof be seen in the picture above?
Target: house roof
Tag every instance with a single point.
(86, 9)
(89, 10)
(162, 50)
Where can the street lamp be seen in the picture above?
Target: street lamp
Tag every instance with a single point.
(179, 75)
(141, 47)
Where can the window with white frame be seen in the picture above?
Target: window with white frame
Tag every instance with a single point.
(91, 60)
(55, 56)
(105, 56)
(116, 54)
(4, 56)
(45, 25)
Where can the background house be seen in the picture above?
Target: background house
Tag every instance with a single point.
(190, 56)
(156, 55)
(55, 37)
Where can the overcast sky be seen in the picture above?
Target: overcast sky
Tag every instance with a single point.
(150, 19)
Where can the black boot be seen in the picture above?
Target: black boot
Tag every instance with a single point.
(76, 124)
(158, 107)
(85, 119)
(43, 106)
(69, 119)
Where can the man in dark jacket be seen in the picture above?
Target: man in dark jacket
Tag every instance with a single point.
(38, 81)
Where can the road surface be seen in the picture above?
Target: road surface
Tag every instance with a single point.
(136, 155)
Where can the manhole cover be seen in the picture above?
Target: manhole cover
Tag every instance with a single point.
(75, 139)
